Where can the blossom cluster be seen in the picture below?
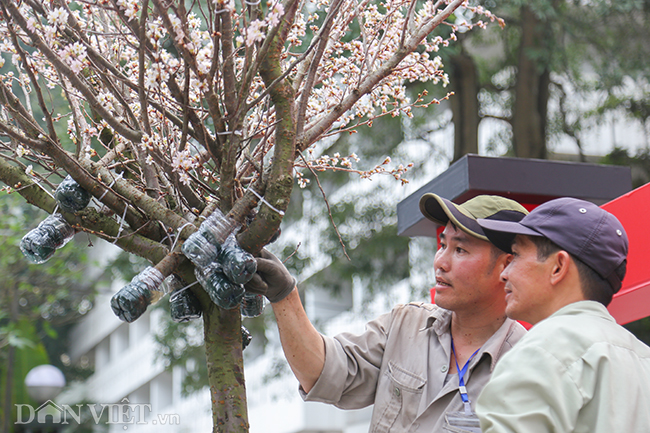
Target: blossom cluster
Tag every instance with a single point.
(338, 163)
(194, 83)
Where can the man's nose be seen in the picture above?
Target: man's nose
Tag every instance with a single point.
(440, 260)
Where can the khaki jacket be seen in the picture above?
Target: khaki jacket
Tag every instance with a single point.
(400, 363)
(576, 371)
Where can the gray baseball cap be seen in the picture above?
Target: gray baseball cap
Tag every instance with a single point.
(591, 234)
(464, 216)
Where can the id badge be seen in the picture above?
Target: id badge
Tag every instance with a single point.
(462, 422)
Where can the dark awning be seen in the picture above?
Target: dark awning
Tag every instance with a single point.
(529, 181)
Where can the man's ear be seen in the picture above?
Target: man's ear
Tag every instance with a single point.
(560, 266)
(503, 262)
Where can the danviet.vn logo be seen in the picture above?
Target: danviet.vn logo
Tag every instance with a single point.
(123, 413)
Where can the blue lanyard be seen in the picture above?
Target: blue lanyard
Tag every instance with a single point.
(461, 375)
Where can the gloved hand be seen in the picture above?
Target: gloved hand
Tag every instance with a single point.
(272, 278)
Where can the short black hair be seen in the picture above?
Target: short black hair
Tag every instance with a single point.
(594, 287)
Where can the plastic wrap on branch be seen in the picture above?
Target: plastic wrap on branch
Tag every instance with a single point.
(246, 338)
(203, 246)
(132, 300)
(71, 196)
(223, 292)
(183, 304)
(217, 227)
(221, 266)
(51, 234)
(238, 265)
(252, 305)
(199, 250)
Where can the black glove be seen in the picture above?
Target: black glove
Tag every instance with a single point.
(272, 278)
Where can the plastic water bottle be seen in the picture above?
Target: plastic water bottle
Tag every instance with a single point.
(183, 303)
(252, 305)
(222, 291)
(203, 246)
(216, 228)
(39, 244)
(238, 265)
(221, 266)
(199, 250)
(71, 196)
(132, 300)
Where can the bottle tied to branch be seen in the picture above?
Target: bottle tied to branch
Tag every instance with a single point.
(238, 265)
(221, 265)
(222, 291)
(252, 305)
(132, 300)
(199, 250)
(183, 303)
(203, 246)
(52, 233)
(71, 196)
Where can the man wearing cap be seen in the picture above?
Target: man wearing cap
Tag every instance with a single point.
(407, 362)
(576, 370)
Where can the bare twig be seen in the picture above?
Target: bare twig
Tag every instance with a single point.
(65, 70)
(329, 210)
(315, 62)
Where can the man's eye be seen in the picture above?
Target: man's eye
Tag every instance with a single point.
(459, 250)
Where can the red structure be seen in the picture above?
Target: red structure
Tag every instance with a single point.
(632, 302)
(533, 182)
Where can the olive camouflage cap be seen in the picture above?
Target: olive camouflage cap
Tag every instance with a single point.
(464, 216)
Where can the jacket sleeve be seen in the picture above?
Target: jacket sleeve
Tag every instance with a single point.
(530, 391)
(352, 366)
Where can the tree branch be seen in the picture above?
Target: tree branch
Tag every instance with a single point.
(314, 131)
(34, 81)
(179, 43)
(323, 40)
(280, 177)
(20, 114)
(60, 66)
(88, 219)
(329, 210)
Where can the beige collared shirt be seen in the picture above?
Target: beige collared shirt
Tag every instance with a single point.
(400, 363)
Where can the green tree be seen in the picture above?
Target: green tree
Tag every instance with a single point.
(555, 70)
(37, 303)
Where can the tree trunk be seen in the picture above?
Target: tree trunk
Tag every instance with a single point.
(464, 104)
(223, 350)
(531, 100)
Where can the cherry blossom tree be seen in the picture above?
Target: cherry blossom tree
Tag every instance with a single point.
(165, 110)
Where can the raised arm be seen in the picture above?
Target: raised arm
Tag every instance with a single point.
(303, 346)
